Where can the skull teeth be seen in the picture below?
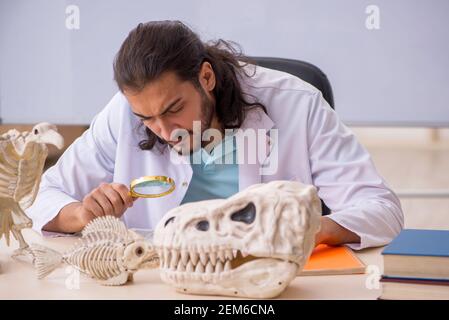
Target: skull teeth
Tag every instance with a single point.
(222, 256)
(213, 258)
(174, 259)
(203, 258)
(219, 267)
(194, 257)
(185, 257)
(190, 267)
(199, 268)
(229, 254)
(202, 262)
(181, 267)
(209, 268)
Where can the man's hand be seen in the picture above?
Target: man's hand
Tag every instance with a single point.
(332, 233)
(106, 199)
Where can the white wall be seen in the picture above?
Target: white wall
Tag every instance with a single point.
(398, 74)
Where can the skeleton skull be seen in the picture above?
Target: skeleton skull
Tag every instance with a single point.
(250, 245)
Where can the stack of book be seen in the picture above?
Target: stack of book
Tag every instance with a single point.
(416, 266)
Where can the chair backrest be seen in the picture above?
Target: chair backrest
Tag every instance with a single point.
(307, 72)
(304, 70)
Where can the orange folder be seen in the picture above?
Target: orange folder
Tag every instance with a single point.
(328, 260)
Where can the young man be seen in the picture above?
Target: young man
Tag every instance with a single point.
(169, 80)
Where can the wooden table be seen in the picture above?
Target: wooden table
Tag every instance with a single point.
(18, 280)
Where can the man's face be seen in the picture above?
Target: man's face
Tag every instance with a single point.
(168, 106)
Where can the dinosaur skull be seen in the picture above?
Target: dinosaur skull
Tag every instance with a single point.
(249, 245)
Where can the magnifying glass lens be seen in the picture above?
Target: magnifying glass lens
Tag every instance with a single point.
(152, 186)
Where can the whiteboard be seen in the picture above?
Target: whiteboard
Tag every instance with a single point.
(395, 75)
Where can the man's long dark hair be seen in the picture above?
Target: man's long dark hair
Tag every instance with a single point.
(155, 47)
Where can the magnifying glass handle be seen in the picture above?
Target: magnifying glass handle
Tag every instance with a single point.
(132, 196)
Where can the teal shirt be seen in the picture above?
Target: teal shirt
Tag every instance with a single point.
(215, 175)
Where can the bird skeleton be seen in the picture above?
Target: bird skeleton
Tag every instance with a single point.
(22, 159)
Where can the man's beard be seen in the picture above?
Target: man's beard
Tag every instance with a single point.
(207, 115)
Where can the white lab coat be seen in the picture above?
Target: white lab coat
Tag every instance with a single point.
(313, 147)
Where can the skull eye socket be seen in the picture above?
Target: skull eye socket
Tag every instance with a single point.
(203, 225)
(139, 251)
(36, 131)
(246, 215)
(171, 219)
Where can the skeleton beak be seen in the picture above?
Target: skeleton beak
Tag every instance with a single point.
(52, 137)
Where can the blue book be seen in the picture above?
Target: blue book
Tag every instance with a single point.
(422, 254)
(413, 242)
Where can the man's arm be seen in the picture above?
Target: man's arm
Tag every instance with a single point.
(69, 220)
(107, 199)
(83, 167)
(332, 233)
(365, 211)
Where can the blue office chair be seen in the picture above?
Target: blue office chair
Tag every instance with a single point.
(307, 72)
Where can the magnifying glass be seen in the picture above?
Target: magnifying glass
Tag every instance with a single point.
(152, 187)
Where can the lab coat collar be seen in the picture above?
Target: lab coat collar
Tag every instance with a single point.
(256, 118)
(249, 173)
